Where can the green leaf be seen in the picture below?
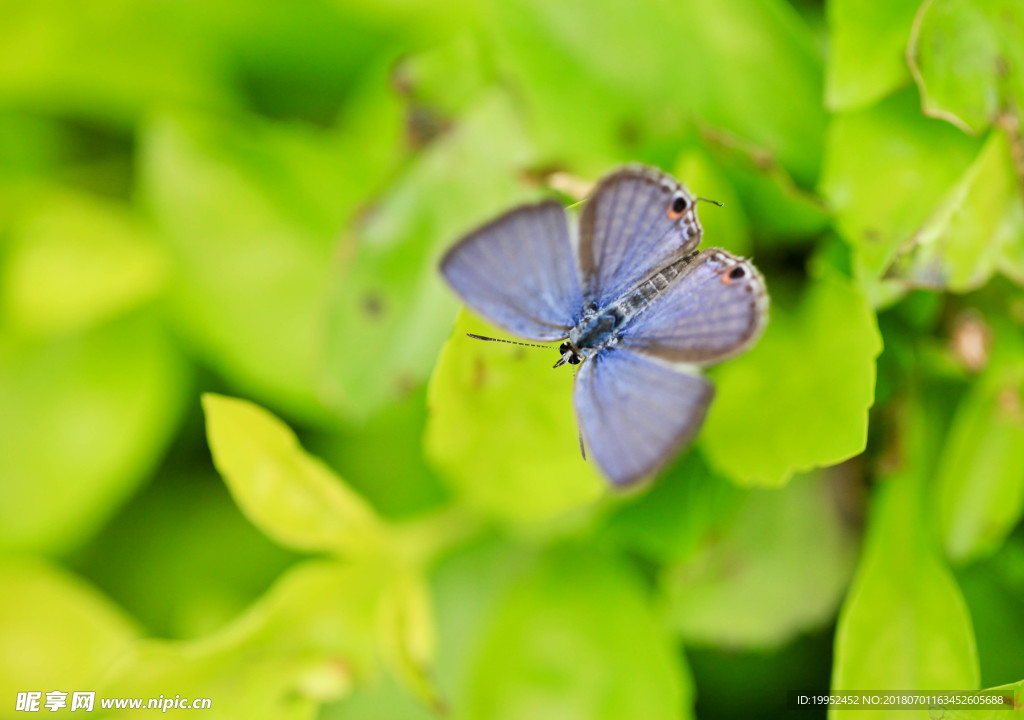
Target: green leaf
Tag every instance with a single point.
(578, 75)
(251, 216)
(577, 638)
(968, 60)
(904, 625)
(395, 434)
(383, 698)
(981, 469)
(973, 228)
(83, 59)
(408, 635)
(297, 61)
(868, 51)
(587, 83)
(778, 568)
(365, 146)
(159, 558)
(296, 500)
(994, 590)
(30, 148)
(391, 311)
(1010, 237)
(675, 518)
(56, 632)
(725, 78)
(799, 399)
(779, 211)
(323, 628)
(85, 418)
(920, 160)
(466, 588)
(307, 641)
(291, 496)
(75, 261)
(501, 428)
(447, 78)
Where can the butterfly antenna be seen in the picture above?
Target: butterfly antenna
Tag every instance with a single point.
(709, 200)
(510, 342)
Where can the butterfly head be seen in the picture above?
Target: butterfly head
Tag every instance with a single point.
(570, 354)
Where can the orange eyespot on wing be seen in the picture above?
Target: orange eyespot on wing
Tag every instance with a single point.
(736, 274)
(677, 205)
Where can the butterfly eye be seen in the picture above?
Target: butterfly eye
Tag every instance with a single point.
(678, 205)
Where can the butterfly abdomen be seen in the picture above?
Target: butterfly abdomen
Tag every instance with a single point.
(646, 292)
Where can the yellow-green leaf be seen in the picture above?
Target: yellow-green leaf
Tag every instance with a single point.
(501, 428)
(868, 45)
(576, 638)
(56, 632)
(798, 400)
(85, 417)
(968, 60)
(974, 226)
(904, 625)
(391, 310)
(76, 260)
(291, 496)
(981, 470)
(778, 568)
(306, 642)
(919, 158)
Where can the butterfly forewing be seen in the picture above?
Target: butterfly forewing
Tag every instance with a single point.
(715, 309)
(635, 412)
(637, 219)
(518, 271)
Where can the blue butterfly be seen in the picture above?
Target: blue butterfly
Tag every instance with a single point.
(633, 302)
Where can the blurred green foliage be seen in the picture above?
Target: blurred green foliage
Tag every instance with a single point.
(244, 203)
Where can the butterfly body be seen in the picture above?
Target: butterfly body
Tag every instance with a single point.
(600, 328)
(635, 306)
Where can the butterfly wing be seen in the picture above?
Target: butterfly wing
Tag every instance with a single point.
(636, 413)
(637, 219)
(519, 272)
(715, 309)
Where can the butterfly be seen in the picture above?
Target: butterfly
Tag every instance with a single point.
(632, 301)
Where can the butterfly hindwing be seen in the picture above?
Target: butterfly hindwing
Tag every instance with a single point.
(637, 219)
(519, 272)
(635, 412)
(714, 310)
